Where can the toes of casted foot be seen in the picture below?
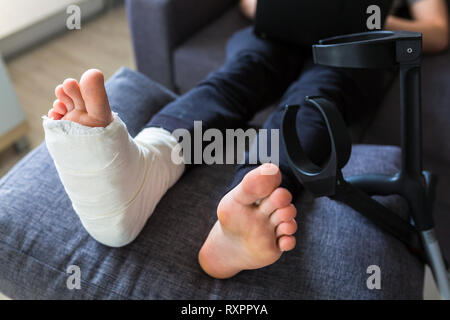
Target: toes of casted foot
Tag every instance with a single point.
(286, 228)
(59, 107)
(64, 98)
(94, 76)
(72, 89)
(286, 243)
(285, 214)
(54, 115)
(256, 186)
(279, 198)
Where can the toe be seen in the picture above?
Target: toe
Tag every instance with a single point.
(286, 228)
(54, 115)
(256, 185)
(94, 94)
(268, 169)
(285, 214)
(286, 243)
(72, 89)
(64, 98)
(279, 198)
(59, 107)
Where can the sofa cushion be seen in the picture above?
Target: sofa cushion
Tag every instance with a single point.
(205, 51)
(41, 236)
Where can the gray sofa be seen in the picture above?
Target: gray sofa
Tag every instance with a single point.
(177, 42)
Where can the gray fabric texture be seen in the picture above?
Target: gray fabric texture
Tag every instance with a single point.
(161, 25)
(207, 46)
(41, 236)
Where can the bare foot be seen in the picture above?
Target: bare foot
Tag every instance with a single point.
(85, 103)
(249, 236)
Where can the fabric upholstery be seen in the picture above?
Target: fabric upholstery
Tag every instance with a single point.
(158, 26)
(206, 48)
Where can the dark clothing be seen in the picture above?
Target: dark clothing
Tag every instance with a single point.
(259, 72)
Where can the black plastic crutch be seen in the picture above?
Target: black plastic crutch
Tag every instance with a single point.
(378, 49)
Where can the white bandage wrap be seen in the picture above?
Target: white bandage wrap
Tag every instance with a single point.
(113, 180)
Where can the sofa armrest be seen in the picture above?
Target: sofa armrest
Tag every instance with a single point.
(158, 26)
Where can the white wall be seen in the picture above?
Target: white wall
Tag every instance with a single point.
(15, 15)
(24, 23)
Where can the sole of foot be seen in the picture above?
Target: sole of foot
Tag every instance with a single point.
(256, 223)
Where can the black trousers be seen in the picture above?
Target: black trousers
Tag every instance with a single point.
(260, 72)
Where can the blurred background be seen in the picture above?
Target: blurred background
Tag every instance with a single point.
(38, 51)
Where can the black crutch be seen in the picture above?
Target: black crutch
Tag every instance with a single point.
(378, 49)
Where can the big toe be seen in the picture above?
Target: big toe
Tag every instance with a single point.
(257, 184)
(94, 94)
